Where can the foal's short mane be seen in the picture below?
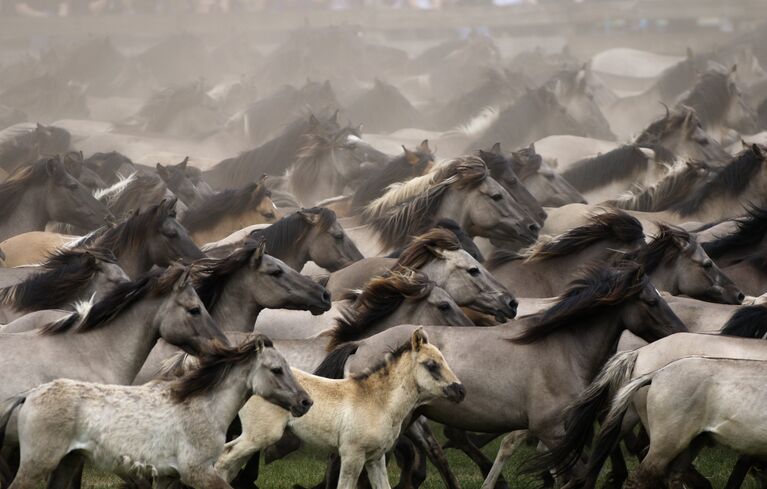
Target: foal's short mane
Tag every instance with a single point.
(426, 247)
(122, 297)
(599, 287)
(214, 367)
(747, 322)
(590, 173)
(380, 297)
(407, 209)
(18, 182)
(663, 247)
(208, 212)
(613, 225)
(382, 367)
(290, 231)
(751, 230)
(210, 275)
(58, 283)
(731, 181)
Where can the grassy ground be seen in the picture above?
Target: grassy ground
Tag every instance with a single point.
(307, 470)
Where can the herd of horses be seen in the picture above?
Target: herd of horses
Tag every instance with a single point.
(584, 266)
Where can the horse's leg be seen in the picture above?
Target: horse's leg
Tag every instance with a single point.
(479, 440)
(68, 473)
(684, 465)
(406, 456)
(459, 439)
(32, 472)
(423, 436)
(204, 478)
(508, 446)
(739, 472)
(236, 453)
(619, 472)
(351, 468)
(377, 475)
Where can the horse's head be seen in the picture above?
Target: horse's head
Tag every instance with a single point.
(167, 240)
(272, 378)
(327, 243)
(178, 181)
(433, 375)
(67, 200)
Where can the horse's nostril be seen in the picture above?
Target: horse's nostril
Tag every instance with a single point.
(307, 403)
(513, 305)
(534, 228)
(326, 296)
(741, 297)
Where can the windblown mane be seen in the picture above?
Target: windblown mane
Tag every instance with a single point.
(677, 185)
(598, 288)
(209, 211)
(751, 230)
(464, 240)
(747, 322)
(396, 170)
(132, 231)
(613, 225)
(408, 209)
(312, 158)
(59, 283)
(710, 97)
(620, 163)
(18, 182)
(731, 181)
(380, 297)
(121, 298)
(290, 231)
(214, 366)
(210, 275)
(130, 192)
(426, 247)
(664, 246)
(660, 128)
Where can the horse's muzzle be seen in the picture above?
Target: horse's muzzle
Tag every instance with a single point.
(455, 392)
(301, 407)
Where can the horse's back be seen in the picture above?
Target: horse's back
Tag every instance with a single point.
(32, 247)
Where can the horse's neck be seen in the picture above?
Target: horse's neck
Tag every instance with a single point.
(664, 277)
(134, 262)
(226, 225)
(226, 399)
(395, 390)
(236, 309)
(125, 343)
(587, 344)
(30, 214)
(295, 257)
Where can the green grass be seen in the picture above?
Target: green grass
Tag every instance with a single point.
(308, 469)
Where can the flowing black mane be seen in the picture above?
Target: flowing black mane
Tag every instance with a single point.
(59, 283)
(380, 297)
(18, 182)
(209, 211)
(676, 186)
(290, 231)
(425, 248)
(664, 246)
(620, 163)
(614, 225)
(710, 97)
(122, 297)
(732, 180)
(133, 231)
(751, 230)
(210, 275)
(215, 364)
(747, 322)
(598, 288)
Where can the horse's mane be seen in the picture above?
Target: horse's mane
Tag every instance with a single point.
(398, 169)
(310, 162)
(710, 97)
(58, 283)
(464, 240)
(613, 225)
(382, 367)
(214, 366)
(131, 191)
(732, 180)
(590, 173)
(598, 288)
(210, 210)
(664, 246)
(18, 182)
(123, 296)
(426, 247)
(747, 322)
(380, 297)
(407, 209)
(292, 230)
(751, 230)
(658, 129)
(210, 275)
(677, 185)
(132, 231)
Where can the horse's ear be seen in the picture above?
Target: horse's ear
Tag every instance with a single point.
(310, 217)
(531, 147)
(183, 279)
(161, 170)
(313, 121)
(734, 68)
(258, 253)
(757, 150)
(424, 146)
(418, 339)
(496, 148)
(182, 165)
(260, 343)
(410, 156)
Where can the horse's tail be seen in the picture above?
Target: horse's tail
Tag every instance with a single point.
(611, 430)
(580, 416)
(332, 367)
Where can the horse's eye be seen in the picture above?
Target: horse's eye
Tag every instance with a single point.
(194, 311)
(473, 271)
(496, 197)
(708, 264)
(511, 181)
(443, 306)
(652, 302)
(432, 366)
(276, 273)
(277, 371)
